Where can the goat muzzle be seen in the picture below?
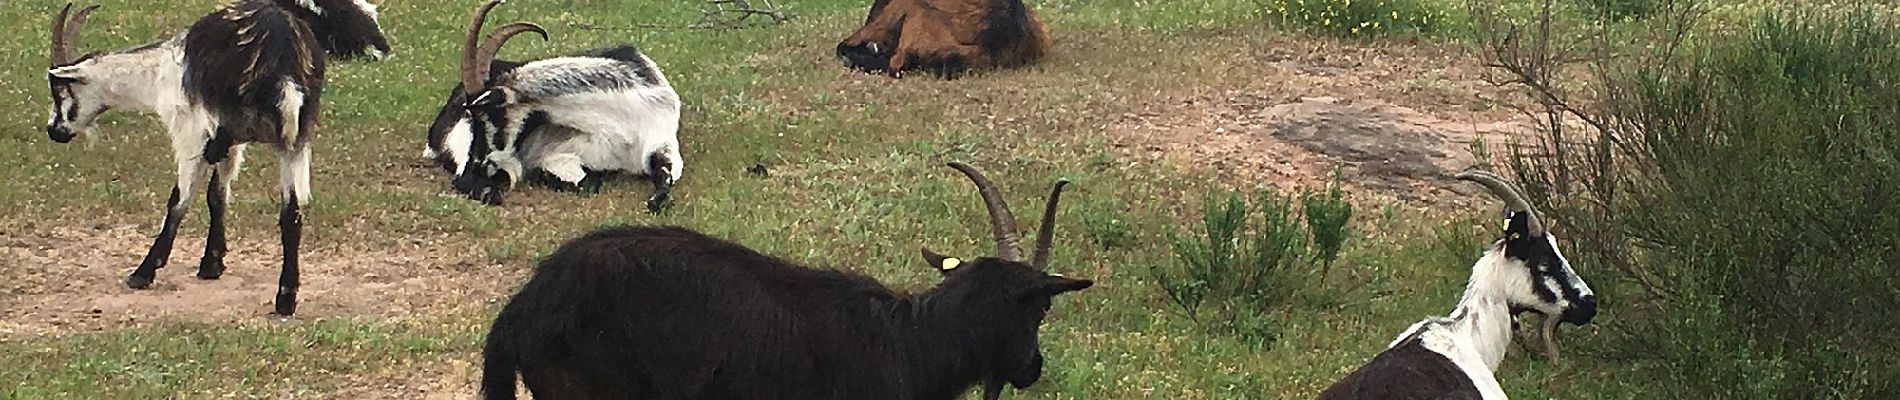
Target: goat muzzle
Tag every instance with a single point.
(60, 134)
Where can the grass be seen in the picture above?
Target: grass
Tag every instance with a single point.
(856, 183)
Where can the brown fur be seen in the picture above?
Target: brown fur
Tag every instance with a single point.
(945, 37)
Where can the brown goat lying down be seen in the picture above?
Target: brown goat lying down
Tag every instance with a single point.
(945, 37)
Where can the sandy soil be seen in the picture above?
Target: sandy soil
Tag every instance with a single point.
(71, 278)
(1400, 119)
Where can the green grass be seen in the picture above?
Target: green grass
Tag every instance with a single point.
(857, 182)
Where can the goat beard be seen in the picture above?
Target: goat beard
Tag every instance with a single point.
(1550, 337)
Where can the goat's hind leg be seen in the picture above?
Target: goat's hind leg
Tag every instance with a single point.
(565, 172)
(189, 170)
(296, 185)
(225, 160)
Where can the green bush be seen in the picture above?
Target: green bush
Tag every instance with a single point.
(1752, 201)
(1327, 214)
(1358, 17)
(1243, 266)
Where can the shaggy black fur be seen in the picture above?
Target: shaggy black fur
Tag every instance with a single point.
(236, 61)
(669, 313)
(343, 30)
(1407, 371)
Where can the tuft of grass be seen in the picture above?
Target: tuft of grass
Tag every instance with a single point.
(1359, 18)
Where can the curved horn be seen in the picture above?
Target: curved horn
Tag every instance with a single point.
(1046, 232)
(66, 31)
(1513, 199)
(474, 73)
(1002, 224)
(486, 54)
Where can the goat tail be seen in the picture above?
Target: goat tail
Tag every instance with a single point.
(498, 370)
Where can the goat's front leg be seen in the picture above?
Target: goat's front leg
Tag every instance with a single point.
(296, 185)
(217, 193)
(663, 168)
(189, 170)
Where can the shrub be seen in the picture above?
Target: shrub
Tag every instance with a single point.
(1358, 17)
(1241, 268)
(1740, 189)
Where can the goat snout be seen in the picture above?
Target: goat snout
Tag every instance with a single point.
(865, 56)
(59, 133)
(1582, 312)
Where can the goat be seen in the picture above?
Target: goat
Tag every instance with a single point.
(1455, 356)
(572, 118)
(945, 37)
(669, 313)
(250, 72)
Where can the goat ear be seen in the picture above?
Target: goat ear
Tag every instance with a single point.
(1058, 284)
(1516, 224)
(491, 98)
(943, 264)
(70, 72)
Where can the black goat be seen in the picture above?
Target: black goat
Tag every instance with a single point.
(669, 313)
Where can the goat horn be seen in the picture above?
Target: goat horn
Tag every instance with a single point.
(473, 74)
(1046, 232)
(1002, 224)
(65, 31)
(486, 54)
(1513, 199)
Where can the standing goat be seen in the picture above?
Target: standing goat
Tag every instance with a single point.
(669, 313)
(1453, 357)
(250, 72)
(569, 117)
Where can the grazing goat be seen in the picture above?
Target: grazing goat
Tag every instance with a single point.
(1453, 357)
(945, 37)
(572, 118)
(250, 72)
(669, 313)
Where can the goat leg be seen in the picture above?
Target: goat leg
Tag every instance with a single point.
(992, 389)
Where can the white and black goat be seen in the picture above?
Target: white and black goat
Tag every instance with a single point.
(1453, 357)
(250, 72)
(572, 118)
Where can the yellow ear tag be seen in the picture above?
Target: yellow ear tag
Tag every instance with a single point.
(950, 264)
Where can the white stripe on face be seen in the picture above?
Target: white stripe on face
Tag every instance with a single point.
(1576, 281)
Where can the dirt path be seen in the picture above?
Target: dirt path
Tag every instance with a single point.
(70, 277)
(1399, 118)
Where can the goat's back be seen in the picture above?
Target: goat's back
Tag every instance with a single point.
(665, 312)
(239, 61)
(1403, 372)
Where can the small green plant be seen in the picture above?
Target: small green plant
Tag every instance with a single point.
(1327, 214)
(1206, 255)
(1240, 270)
(1358, 17)
(1105, 227)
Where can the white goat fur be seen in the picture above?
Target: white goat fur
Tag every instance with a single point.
(150, 79)
(602, 129)
(1477, 333)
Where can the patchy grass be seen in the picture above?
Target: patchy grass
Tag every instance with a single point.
(856, 182)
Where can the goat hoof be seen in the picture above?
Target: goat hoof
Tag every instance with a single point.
(210, 269)
(286, 304)
(138, 282)
(655, 204)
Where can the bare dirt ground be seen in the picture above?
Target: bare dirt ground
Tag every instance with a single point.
(65, 277)
(1398, 118)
